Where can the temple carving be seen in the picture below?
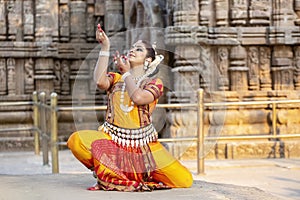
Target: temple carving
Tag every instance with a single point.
(236, 50)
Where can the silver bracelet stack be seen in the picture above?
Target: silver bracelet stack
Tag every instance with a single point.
(104, 53)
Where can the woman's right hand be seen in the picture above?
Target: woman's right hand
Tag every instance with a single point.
(102, 37)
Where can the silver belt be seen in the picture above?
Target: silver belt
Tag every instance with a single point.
(131, 137)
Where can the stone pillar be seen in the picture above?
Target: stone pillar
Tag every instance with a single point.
(55, 19)
(92, 84)
(114, 23)
(189, 66)
(260, 12)
(283, 13)
(222, 9)
(3, 22)
(44, 75)
(282, 70)
(186, 72)
(78, 21)
(79, 79)
(265, 68)
(3, 77)
(186, 13)
(44, 20)
(205, 12)
(114, 19)
(28, 20)
(188, 59)
(14, 18)
(239, 12)
(65, 77)
(238, 69)
(90, 22)
(99, 11)
(64, 21)
(297, 11)
(297, 68)
(11, 76)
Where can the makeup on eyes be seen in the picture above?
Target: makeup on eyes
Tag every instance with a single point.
(138, 48)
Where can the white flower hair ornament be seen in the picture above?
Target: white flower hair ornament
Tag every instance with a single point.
(153, 65)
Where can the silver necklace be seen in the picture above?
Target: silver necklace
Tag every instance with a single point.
(126, 108)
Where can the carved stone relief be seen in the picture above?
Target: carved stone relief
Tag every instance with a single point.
(57, 77)
(3, 23)
(265, 71)
(223, 64)
(65, 77)
(92, 84)
(11, 76)
(29, 76)
(3, 77)
(254, 44)
(253, 64)
(297, 68)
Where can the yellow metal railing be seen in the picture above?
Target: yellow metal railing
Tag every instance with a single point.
(200, 139)
(43, 113)
(40, 121)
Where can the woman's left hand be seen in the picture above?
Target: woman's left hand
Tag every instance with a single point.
(122, 62)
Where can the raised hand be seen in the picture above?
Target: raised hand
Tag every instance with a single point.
(121, 62)
(102, 37)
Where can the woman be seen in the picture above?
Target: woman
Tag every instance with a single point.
(124, 153)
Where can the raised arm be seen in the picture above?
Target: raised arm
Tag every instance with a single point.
(100, 71)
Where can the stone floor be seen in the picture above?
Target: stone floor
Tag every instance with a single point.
(24, 177)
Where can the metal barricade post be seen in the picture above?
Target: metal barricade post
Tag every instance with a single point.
(54, 124)
(36, 123)
(43, 124)
(200, 133)
(274, 118)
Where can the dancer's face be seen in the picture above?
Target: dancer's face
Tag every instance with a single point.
(137, 54)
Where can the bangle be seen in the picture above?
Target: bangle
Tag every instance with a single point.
(104, 53)
(125, 75)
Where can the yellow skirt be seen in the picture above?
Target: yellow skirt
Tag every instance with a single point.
(168, 172)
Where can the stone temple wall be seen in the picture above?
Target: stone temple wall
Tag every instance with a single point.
(237, 50)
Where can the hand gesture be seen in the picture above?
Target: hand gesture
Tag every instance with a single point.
(122, 62)
(102, 37)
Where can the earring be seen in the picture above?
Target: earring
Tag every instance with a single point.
(146, 64)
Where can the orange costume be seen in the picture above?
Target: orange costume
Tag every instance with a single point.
(124, 152)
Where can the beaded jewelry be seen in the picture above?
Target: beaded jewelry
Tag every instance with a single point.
(126, 108)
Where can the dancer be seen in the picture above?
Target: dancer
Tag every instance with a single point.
(124, 153)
